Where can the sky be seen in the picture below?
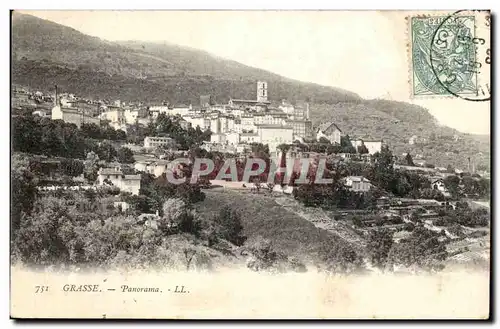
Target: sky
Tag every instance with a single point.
(365, 52)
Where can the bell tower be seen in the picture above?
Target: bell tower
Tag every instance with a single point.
(262, 91)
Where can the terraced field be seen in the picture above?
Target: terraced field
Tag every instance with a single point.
(263, 216)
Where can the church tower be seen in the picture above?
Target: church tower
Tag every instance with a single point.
(262, 91)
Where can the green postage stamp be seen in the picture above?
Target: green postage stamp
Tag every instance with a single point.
(448, 57)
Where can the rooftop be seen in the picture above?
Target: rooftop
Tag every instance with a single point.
(357, 178)
(326, 125)
(251, 101)
(110, 171)
(275, 126)
(133, 177)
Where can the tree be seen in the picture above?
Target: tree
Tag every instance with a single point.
(340, 257)
(379, 244)
(231, 228)
(125, 155)
(91, 167)
(324, 140)
(106, 152)
(176, 214)
(421, 249)
(357, 222)
(24, 193)
(345, 143)
(362, 149)
(72, 167)
(260, 150)
(452, 183)
(264, 255)
(409, 160)
(382, 174)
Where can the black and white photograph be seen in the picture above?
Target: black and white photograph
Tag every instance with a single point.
(256, 164)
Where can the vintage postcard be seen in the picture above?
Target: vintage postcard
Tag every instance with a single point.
(250, 164)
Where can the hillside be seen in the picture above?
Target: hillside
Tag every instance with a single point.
(45, 53)
(137, 70)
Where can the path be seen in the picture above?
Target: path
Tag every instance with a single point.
(319, 218)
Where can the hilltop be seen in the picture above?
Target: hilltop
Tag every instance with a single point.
(136, 70)
(45, 53)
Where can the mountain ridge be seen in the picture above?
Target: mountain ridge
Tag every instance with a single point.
(45, 53)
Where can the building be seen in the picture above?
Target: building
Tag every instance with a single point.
(249, 138)
(114, 116)
(131, 116)
(413, 140)
(154, 167)
(262, 91)
(274, 135)
(40, 113)
(249, 104)
(286, 107)
(154, 111)
(232, 138)
(115, 177)
(357, 183)
(259, 104)
(196, 120)
(302, 129)
(206, 101)
(121, 205)
(330, 131)
(149, 220)
(218, 138)
(153, 142)
(73, 115)
(373, 146)
(180, 109)
(184, 124)
(438, 184)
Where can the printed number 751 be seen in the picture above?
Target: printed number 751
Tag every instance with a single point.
(40, 289)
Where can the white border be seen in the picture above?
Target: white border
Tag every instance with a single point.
(190, 4)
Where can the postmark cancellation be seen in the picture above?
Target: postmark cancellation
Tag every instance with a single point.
(450, 55)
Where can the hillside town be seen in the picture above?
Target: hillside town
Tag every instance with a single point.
(127, 150)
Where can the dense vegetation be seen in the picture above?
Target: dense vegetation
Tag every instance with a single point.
(85, 229)
(35, 135)
(386, 180)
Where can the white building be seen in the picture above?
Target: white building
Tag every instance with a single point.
(249, 138)
(114, 116)
(232, 138)
(373, 146)
(247, 123)
(274, 135)
(329, 131)
(154, 167)
(438, 184)
(131, 116)
(72, 115)
(286, 107)
(218, 138)
(40, 113)
(154, 111)
(180, 110)
(115, 177)
(153, 142)
(195, 120)
(357, 183)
